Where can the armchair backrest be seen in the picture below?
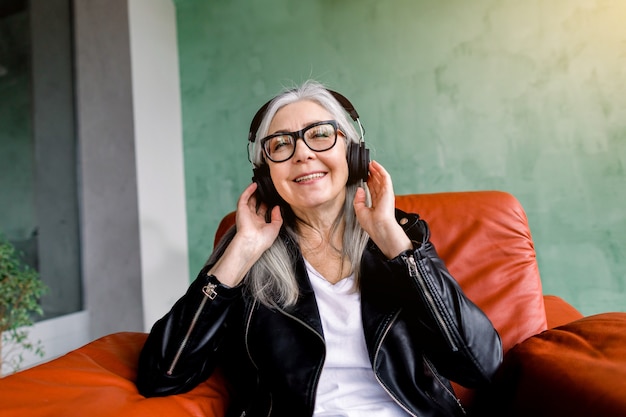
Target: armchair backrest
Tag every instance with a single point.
(484, 238)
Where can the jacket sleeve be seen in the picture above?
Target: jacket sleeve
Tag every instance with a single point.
(463, 344)
(182, 347)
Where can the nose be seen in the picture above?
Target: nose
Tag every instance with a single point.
(301, 151)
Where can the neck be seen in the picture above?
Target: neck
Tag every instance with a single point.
(322, 215)
(323, 249)
(315, 226)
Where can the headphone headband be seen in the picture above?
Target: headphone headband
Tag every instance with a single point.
(256, 121)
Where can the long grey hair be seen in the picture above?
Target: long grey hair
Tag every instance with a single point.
(272, 279)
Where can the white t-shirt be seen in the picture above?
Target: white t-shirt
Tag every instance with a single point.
(347, 385)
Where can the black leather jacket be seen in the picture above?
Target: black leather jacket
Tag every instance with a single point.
(420, 330)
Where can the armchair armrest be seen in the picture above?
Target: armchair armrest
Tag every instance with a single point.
(578, 369)
(559, 311)
(97, 380)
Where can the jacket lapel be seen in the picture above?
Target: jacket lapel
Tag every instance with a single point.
(305, 310)
(377, 307)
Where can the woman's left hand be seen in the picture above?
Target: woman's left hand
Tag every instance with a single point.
(379, 220)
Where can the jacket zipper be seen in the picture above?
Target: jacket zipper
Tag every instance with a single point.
(209, 294)
(414, 272)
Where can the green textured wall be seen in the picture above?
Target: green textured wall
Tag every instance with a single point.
(526, 97)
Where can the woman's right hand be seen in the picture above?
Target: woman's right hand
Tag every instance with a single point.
(253, 237)
(251, 224)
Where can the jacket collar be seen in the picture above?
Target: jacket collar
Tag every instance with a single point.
(377, 308)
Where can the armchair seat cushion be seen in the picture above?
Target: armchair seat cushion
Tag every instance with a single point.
(578, 369)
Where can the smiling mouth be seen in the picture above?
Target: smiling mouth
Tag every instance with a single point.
(310, 177)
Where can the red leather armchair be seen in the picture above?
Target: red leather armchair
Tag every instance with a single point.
(557, 362)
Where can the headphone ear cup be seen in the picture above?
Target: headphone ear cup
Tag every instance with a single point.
(265, 192)
(358, 162)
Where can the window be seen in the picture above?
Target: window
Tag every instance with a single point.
(38, 163)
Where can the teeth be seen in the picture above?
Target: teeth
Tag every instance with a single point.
(310, 177)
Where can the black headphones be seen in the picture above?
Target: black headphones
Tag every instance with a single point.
(358, 156)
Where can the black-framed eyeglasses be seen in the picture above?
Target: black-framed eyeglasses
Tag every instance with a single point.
(319, 137)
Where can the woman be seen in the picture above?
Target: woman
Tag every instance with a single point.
(330, 303)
